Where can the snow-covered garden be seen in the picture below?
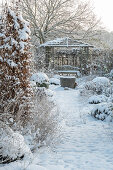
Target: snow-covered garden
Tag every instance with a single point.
(45, 124)
(84, 140)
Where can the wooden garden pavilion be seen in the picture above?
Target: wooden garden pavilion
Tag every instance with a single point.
(66, 51)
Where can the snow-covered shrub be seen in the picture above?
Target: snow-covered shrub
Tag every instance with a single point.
(95, 99)
(97, 86)
(43, 124)
(108, 91)
(101, 81)
(111, 73)
(54, 81)
(12, 145)
(103, 112)
(41, 79)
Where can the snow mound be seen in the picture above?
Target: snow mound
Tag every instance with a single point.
(22, 166)
(12, 145)
(97, 99)
(54, 81)
(103, 112)
(99, 81)
(41, 79)
(97, 86)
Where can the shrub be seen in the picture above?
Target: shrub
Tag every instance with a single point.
(97, 99)
(54, 81)
(98, 86)
(103, 112)
(12, 145)
(43, 124)
(111, 73)
(41, 79)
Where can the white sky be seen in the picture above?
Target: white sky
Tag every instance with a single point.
(104, 10)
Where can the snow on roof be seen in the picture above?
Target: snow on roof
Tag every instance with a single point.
(65, 42)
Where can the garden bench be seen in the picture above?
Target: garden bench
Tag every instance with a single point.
(69, 73)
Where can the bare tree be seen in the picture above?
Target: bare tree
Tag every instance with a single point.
(54, 18)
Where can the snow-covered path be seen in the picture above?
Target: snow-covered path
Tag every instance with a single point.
(86, 143)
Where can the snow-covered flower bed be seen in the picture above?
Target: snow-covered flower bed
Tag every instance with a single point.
(103, 112)
(41, 79)
(95, 99)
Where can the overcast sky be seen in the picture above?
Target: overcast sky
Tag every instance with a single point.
(104, 9)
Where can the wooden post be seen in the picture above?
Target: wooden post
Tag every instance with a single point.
(52, 56)
(48, 56)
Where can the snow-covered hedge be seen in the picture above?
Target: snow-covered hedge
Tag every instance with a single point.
(103, 112)
(95, 99)
(41, 79)
(12, 145)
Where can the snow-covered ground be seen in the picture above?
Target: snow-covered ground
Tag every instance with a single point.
(84, 144)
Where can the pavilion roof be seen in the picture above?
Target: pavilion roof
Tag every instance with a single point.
(65, 42)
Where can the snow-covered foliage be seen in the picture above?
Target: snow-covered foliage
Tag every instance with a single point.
(99, 81)
(12, 145)
(15, 60)
(43, 124)
(54, 81)
(111, 73)
(96, 86)
(41, 79)
(95, 99)
(103, 112)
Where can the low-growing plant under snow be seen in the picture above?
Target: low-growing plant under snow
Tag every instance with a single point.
(101, 80)
(103, 112)
(41, 79)
(95, 99)
(98, 85)
(12, 145)
(54, 81)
